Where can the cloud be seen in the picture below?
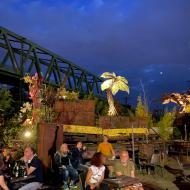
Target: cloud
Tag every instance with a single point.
(137, 39)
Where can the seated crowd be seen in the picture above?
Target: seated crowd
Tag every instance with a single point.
(67, 165)
(10, 168)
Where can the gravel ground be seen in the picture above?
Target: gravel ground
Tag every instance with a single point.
(167, 182)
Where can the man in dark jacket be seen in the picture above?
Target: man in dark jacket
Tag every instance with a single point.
(77, 155)
(62, 161)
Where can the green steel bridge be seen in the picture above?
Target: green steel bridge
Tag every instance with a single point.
(19, 56)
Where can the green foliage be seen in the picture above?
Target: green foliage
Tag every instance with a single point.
(131, 113)
(89, 96)
(101, 107)
(11, 130)
(141, 110)
(177, 133)
(165, 125)
(9, 133)
(14, 131)
(18, 120)
(6, 101)
(47, 113)
(62, 93)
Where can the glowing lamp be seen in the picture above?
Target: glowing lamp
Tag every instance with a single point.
(27, 134)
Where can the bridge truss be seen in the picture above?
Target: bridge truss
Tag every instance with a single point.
(19, 56)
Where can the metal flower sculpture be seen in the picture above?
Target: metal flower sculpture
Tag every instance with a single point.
(182, 100)
(34, 91)
(112, 85)
(34, 83)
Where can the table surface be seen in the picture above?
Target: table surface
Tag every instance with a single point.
(21, 179)
(122, 181)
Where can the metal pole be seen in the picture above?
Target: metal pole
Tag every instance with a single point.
(185, 132)
(133, 145)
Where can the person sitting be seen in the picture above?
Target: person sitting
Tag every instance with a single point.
(125, 167)
(77, 155)
(62, 159)
(95, 174)
(106, 148)
(8, 161)
(33, 168)
(3, 184)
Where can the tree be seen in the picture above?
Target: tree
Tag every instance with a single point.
(141, 110)
(112, 85)
(165, 125)
(6, 101)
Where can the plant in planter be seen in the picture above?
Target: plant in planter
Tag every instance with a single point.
(112, 85)
(48, 94)
(25, 114)
(63, 94)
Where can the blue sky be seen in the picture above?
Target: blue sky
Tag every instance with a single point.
(147, 40)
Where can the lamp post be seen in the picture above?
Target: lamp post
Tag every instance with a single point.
(185, 132)
(133, 145)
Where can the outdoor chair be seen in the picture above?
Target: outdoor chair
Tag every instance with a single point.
(155, 166)
(141, 165)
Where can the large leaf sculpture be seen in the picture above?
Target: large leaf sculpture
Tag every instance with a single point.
(112, 85)
(182, 100)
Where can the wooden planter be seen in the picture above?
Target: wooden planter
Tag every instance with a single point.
(46, 139)
(79, 112)
(58, 106)
(107, 122)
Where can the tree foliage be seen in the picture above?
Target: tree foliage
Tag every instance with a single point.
(165, 125)
(6, 101)
(6, 104)
(141, 111)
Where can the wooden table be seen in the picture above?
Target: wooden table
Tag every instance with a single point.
(120, 182)
(22, 179)
(18, 182)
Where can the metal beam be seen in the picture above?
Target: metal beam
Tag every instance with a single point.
(47, 64)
